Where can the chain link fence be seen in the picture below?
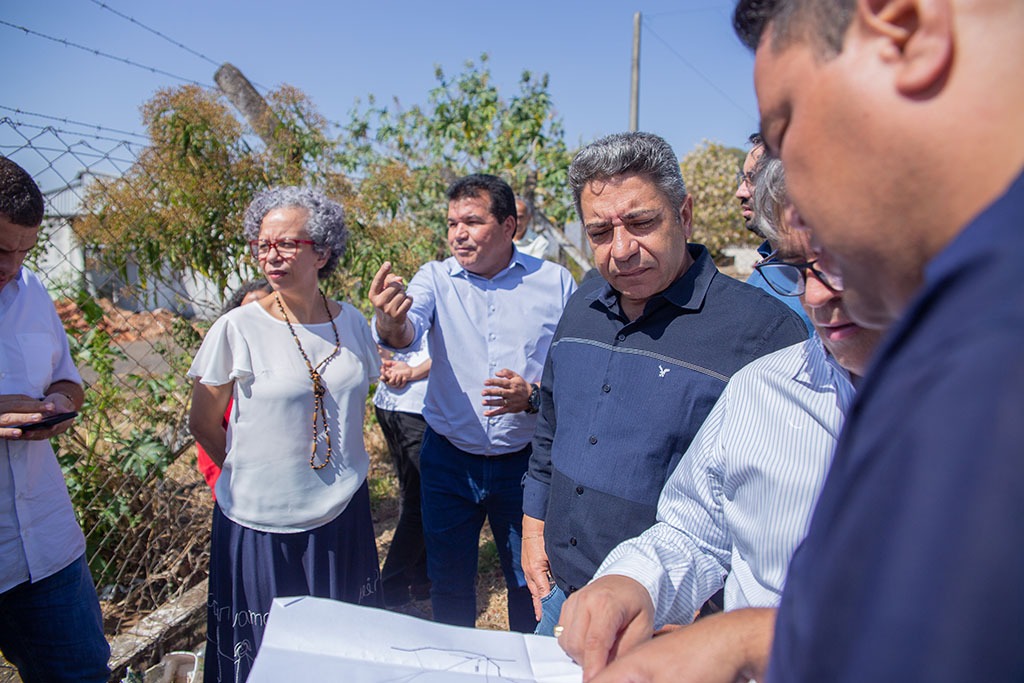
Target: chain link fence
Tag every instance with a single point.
(129, 461)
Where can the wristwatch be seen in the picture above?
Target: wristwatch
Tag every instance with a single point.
(534, 399)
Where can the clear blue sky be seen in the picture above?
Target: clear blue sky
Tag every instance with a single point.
(696, 79)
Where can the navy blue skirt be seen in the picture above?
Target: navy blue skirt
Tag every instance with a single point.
(249, 568)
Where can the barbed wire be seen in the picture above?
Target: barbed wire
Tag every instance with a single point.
(154, 32)
(100, 53)
(170, 40)
(54, 129)
(72, 122)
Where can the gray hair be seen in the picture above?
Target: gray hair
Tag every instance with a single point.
(326, 224)
(644, 154)
(769, 199)
(527, 203)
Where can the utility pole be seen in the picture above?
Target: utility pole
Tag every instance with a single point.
(247, 100)
(634, 91)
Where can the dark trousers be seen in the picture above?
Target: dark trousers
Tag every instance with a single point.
(52, 630)
(249, 568)
(460, 490)
(406, 563)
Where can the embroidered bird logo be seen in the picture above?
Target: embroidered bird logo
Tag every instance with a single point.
(662, 371)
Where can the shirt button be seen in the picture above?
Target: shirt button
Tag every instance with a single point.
(606, 388)
(579, 490)
(572, 589)
(621, 337)
(572, 541)
(593, 440)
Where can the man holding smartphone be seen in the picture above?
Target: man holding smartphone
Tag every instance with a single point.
(51, 627)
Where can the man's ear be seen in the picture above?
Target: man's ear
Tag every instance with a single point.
(508, 228)
(686, 216)
(920, 33)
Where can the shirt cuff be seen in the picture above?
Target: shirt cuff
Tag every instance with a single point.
(417, 333)
(535, 498)
(642, 570)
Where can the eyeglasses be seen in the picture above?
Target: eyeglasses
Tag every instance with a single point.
(790, 279)
(286, 248)
(747, 178)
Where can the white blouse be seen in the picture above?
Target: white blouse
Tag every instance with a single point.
(267, 483)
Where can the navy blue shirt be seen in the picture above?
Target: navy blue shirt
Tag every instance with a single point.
(913, 569)
(621, 401)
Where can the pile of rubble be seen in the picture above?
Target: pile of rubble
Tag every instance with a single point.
(123, 326)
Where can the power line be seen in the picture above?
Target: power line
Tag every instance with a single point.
(68, 43)
(687, 10)
(73, 122)
(697, 71)
(154, 32)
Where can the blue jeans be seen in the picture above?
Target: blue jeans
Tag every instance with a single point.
(52, 630)
(459, 490)
(551, 609)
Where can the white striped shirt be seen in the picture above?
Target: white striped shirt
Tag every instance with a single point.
(741, 498)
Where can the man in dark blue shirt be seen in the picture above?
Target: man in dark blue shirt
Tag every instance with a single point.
(637, 362)
(899, 125)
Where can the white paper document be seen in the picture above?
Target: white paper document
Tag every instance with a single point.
(312, 639)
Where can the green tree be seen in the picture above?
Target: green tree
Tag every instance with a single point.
(180, 205)
(405, 158)
(710, 175)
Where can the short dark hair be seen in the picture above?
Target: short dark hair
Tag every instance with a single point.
(20, 198)
(755, 140)
(822, 22)
(244, 290)
(503, 200)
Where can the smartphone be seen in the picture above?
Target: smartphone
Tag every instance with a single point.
(45, 422)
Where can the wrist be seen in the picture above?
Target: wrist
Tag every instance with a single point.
(533, 400)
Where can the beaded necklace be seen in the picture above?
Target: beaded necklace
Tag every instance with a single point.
(318, 385)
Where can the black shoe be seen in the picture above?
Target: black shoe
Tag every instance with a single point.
(396, 597)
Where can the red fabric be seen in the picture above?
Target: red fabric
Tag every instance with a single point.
(207, 467)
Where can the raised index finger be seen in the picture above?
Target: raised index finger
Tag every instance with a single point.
(377, 284)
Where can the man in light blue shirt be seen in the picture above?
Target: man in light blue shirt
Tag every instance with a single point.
(489, 312)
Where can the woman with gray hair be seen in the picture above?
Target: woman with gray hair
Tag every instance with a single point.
(292, 515)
